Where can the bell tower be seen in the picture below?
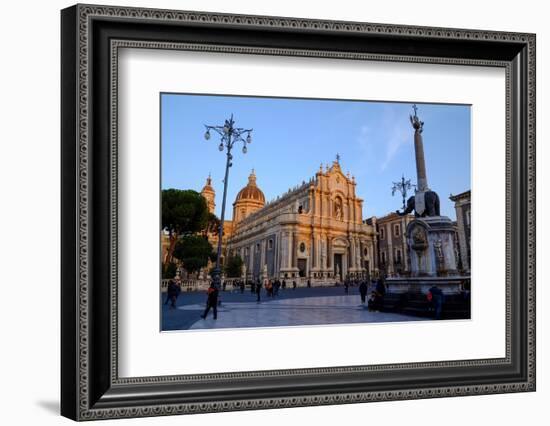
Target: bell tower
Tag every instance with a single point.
(209, 194)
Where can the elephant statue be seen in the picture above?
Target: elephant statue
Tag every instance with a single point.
(431, 205)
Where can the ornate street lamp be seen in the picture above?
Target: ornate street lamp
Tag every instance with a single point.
(402, 187)
(229, 136)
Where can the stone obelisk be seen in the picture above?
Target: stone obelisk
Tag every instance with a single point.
(421, 177)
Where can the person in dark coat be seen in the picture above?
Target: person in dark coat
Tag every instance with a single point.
(363, 288)
(211, 301)
(242, 286)
(379, 293)
(381, 286)
(172, 293)
(436, 297)
(258, 291)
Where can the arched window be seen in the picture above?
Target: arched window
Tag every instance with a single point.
(382, 234)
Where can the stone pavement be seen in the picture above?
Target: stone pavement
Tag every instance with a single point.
(302, 306)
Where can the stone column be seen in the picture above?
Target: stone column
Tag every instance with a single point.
(283, 251)
(276, 256)
(329, 254)
(420, 162)
(312, 253)
(373, 249)
(262, 254)
(421, 177)
(463, 249)
(251, 259)
(358, 255)
(322, 253)
(389, 260)
(290, 249)
(404, 250)
(352, 253)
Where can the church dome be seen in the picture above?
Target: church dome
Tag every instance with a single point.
(251, 191)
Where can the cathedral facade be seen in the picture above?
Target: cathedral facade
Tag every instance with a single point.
(314, 231)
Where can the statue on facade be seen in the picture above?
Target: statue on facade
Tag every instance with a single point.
(338, 213)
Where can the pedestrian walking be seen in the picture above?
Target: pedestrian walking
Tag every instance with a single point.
(436, 298)
(363, 288)
(308, 283)
(242, 287)
(258, 291)
(346, 286)
(284, 284)
(294, 284)
(211, 301)
(173, 292)
(276, 287)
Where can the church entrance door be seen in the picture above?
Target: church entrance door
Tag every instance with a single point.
(338, 266)
(302, 267)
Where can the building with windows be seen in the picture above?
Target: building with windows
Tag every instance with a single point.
(392, 248)
(463, 207)
(314, 230)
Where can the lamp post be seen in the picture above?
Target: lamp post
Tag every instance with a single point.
(229, 136)
(402, 187)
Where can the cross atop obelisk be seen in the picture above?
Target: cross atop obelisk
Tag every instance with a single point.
(421, 177)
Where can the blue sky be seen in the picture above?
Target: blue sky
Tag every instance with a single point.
(292, 137)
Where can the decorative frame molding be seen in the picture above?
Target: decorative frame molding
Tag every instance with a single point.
(91, 37)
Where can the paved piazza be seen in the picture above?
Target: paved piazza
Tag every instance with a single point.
(302, 306)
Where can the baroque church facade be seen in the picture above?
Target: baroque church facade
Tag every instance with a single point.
(314, 231)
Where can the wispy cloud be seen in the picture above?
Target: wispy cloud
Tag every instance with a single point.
(383, 141)
(398, 135)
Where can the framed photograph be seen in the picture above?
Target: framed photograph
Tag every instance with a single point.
(263, 212)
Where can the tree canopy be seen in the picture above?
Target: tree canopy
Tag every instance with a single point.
(233, 267)
(184, 211)
(193, 251)
(213, 225)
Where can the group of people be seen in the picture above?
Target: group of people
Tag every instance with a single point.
(238, 285)
(375, 300)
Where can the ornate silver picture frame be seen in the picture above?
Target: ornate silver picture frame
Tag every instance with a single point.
(91, 387)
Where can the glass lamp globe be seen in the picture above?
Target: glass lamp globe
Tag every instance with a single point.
(220, 147)
(249, 138)
(244, 149)
(207, 135)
